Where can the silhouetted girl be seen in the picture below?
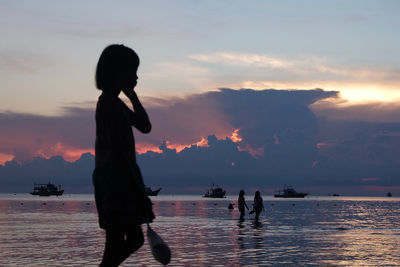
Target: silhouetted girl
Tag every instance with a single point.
(242, 204)
(258, 204)
(121, 202)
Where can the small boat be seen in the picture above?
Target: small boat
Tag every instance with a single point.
(150, 192)
(289, 192)
(389, 194)
(215, 192)
(45, 190)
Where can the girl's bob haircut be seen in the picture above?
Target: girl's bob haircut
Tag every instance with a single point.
(115, 60)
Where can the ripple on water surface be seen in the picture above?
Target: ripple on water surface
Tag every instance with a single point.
(203, 232)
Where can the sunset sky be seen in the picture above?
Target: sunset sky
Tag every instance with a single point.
(188, 50)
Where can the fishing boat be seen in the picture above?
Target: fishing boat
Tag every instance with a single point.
(289, 192)
(45, 190)
(150, 192)
(215, 192)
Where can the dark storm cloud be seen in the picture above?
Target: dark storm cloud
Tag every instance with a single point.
(300, 146)
(261, 115)
(258, 114)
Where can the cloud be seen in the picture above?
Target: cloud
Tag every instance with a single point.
(243, 60)
(338, 109)
(180, 121)
(176, 76)
(23, 61)
(241, 138)
(28, 135)
(258, 71)
(90, 29)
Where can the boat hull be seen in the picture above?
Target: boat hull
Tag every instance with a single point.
(153, 193)
(215, 192)
(47, 194)
(220, 196)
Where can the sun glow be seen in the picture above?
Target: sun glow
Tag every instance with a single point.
(235, 137)
(5, 157)
(351, 91)
(142, 148)
(179, 147)
(67, 152)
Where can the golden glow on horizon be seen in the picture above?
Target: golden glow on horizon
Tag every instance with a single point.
(68, 153)
(179, 147)
(351, 91)
(235, 137)
(5, 157)
(71, 154)
(142, 148)
(203, 142)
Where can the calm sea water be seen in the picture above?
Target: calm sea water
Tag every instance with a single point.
(316, 231)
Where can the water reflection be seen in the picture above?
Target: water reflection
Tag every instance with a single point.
(349, 232)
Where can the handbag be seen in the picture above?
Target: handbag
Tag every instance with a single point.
(159, 248)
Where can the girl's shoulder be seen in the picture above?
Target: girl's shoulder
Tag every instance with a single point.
(109, 103)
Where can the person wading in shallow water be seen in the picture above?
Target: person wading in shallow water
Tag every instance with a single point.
(242, 204)
(258, 205)
(121, 202)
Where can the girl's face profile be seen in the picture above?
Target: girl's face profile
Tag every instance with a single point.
(128, 80)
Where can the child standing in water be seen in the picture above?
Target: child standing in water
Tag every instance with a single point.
(242, 204)
(258, 204)
(121, 202)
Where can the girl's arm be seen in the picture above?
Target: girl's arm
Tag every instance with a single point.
(138, 118)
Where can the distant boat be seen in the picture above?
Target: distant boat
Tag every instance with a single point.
(289, 192)
(335, 195)
(150, 192)
(389, 194)
(215, 192)
(45, 190)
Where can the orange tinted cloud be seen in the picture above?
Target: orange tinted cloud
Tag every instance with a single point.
(142, 148)
(68, 153)
(235, 137)
(179, 147)
(5, 157)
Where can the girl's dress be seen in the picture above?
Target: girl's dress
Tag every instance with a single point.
(118, 184)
